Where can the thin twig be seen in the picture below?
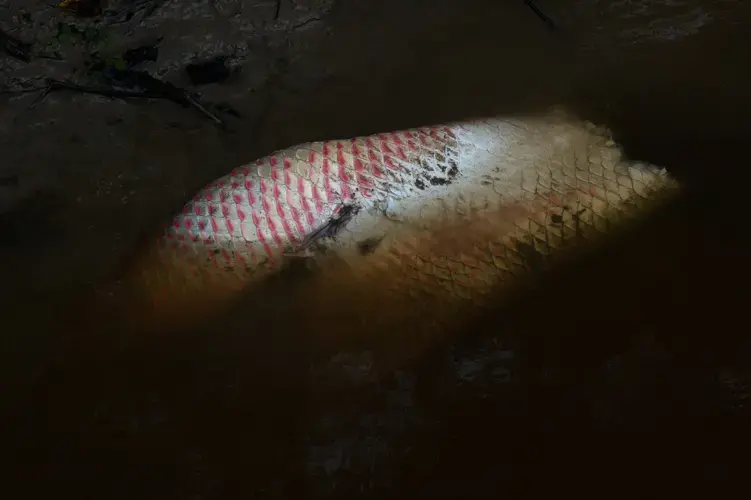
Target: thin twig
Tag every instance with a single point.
(193, 102)
(169, 92)
(278, 9)
(305, 23)
(544, 17)
(21, 91)
(54, 85)
(166, 90)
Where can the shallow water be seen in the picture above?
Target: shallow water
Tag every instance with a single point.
(229, 410)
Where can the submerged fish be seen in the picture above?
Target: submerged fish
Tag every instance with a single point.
(448, 212)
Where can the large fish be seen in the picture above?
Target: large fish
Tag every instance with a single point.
(449, 212)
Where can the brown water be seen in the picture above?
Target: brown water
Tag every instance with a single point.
(226, 409)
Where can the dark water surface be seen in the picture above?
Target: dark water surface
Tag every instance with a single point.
(647, 389)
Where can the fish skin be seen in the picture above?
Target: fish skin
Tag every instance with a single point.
(456, 209)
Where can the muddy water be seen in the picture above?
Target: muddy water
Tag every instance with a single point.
(235, 406)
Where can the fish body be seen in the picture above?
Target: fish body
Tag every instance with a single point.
(501, 195)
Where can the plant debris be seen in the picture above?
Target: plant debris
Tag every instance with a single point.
(15, 47)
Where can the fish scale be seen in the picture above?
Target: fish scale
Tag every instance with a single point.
(456, 209)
